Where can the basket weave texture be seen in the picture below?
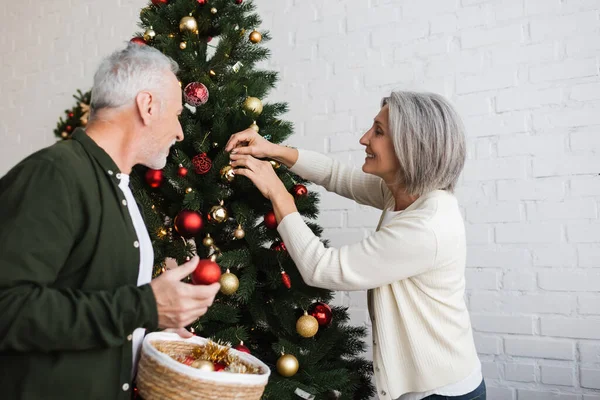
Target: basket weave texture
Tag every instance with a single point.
(160, 377)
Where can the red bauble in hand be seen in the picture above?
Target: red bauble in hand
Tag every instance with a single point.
(188, 223)
(195, 94)
(206, 273)
(270, 220)
(138, 40)
(299, 190)
(278, 246)
(154, 177)
(322, 312)
(202, 164)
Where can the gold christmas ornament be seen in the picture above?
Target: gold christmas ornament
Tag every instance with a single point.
(149, 34)
(255, 37)
(208, 241)
(275, 164)
(213, 11)
(253, 105)
(64, 135)
(85, 113)
(188, 24)
(239, 232)
(307, 325)
(287, 365)
(212, 74)
(229, 283)
(218, 214)
(254, 127)
(189, 190)
(227, 173)
(183, 45)
(204, 365)
(215, 145)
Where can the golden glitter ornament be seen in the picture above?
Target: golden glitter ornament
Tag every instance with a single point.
(183, 45)
(212, 74)
(229, 283)
(239, 232)
(255, 37)
(218, 214)
(253, 105)
(287, 365)
(149, 34)
(307, 326)
(64, 135)
(208, 241)
(254, 127)
(213, 11)
(188, 24)
(227, 173)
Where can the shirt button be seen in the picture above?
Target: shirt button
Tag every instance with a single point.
(129, 337)
(124, 202)
(125, 387)
(118, 176)
(109, 172)
(136, 244)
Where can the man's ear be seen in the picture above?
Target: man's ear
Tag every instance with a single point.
(146, 106)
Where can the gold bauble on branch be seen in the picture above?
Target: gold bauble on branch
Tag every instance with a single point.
(212, 74)
(255, 37)
(254, 127)
(275, 164)
(253, 105)
(218, 214)
(188, 24)
(227, 173)
(287, 365)
(239, 232)
(229, 283)
(307, 326)
(213, 11)
(182, 45)
(149, 34)
(208, 241)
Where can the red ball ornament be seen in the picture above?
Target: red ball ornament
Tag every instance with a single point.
(285, 278)
(270, 220)
(242, 348)
(299, 190)
(322, 312)
(201, 2)
(278, 246)
(238, 1)
(208, 39)
(188, 223)
(195, 94)
(154, 177)
(71, 115)
(182, 171)
(158, 2)
(138, 40)
(206, 273)
(219, 367)
(202, 164)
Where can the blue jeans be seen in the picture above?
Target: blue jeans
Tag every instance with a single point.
(477, 394)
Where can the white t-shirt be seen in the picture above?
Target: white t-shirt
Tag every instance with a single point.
(146, 257)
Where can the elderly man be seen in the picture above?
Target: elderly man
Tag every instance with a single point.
(75, 257)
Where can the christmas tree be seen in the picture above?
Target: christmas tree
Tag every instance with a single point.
(195, 204)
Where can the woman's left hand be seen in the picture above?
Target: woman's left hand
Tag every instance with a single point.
(261, 173)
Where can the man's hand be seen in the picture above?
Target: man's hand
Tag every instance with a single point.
(179, 304)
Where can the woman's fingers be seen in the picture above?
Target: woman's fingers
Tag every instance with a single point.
(237, 138)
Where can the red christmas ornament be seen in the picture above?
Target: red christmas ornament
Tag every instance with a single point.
(195, 94)
(206, 273)
(208, 39)
(188, 223)
(202, 164)
(188, 360)
(138, 40)
(242, 348)
(201, 2)
(278, 246)
(299, 190)
(69, 128)
(158, 2)
(154, 177)
(238, 1)
(219, 367)
(322, 312)
(285, 278)
(71, 115)
(270, 220)
(182, 171)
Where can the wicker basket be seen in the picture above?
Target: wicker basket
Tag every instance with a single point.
(160, 377)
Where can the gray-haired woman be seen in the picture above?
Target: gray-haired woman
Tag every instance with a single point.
(414, 264)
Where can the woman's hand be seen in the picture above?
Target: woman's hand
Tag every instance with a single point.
(251, 143)
(261, 173)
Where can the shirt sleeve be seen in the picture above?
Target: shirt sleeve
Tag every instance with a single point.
(405, 247)
(342, 179)
(37, 234)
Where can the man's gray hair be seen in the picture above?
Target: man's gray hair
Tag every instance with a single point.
(429, 141)
(125, 73)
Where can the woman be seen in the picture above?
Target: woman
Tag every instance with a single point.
(414, 264)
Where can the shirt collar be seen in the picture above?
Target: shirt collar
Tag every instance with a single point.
(107, 163)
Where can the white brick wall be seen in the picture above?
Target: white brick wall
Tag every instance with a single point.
(524, 75)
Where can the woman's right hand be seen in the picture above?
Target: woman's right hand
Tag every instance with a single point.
(251, 143)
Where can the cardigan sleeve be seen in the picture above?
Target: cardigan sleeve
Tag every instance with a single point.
(405, 247)
(344, 180)
(36, 237)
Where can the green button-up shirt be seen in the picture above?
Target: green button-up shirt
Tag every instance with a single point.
(69, 262)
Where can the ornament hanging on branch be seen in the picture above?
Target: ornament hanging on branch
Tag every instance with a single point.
(195, 94)
(242, 348)
(159, 2)
(253, 105)
(183, 45)
(239, 232)
(307, 326)
(285, 279)
(255, 37)
(299, 190)
(229, 283)
(239, 1)
(218, 214)
(188, 223)
(202, 164)
(154, 177)
(227, 174)
(321, 312)
(188, 24)
(201, 2)
(182, 171)
(287, 365)
(254, 127)
(213, 11)
(208, 241)
(207, 272)
(149, 34)
(278, 245)
(270, 220)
